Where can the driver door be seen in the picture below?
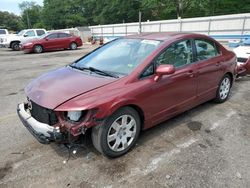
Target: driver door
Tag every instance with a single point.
(51, 41)
(174, 93)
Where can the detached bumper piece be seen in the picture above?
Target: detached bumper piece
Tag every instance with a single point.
(43, 132)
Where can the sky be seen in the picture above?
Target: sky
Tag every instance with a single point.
(12, 5)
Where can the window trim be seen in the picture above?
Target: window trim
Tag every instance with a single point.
(175, 42)
(209, 41)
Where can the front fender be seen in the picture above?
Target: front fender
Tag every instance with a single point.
(108, 109)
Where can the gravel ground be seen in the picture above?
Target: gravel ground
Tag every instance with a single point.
(208, 146)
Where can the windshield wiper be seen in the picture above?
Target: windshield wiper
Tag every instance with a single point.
(105, 73)
(92, 69)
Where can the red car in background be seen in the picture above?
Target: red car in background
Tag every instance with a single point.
(52, 41)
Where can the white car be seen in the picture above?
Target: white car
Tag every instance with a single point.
(243, 58)
(13, 40)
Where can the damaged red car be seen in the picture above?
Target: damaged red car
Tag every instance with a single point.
(128, 85)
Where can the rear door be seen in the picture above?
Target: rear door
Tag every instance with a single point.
(64, 40)
(209, 64)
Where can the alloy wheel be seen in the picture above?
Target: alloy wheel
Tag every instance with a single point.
(121, 133)
(224, 88)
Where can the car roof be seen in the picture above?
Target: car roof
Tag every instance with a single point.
(163, 36)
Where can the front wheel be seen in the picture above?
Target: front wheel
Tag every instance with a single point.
(15, 46)
(223, 89)
(38, 49)
(73, 46)
(118, 134)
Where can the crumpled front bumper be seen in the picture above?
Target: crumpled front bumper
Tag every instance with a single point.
(44, 133)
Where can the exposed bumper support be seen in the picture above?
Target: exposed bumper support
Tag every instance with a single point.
(44, 133)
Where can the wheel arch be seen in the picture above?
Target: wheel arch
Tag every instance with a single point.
(14, 41)
(137, 108)
(231, 77)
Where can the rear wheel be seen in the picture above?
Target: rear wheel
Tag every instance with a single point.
(73, 46)
(223, 89)
(38, 49)
(118, 134)
(15, 46)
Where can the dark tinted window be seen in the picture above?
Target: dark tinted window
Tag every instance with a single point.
(64, 35)
(40, 32)
(52, 36)
(205, 49)
(177, 54)
(2, 31)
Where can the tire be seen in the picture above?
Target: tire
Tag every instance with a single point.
(15, 46)
(123, 128)
(223, 90)
(73, 46)
(38, 48)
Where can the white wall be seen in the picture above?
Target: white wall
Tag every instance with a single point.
(235, 24)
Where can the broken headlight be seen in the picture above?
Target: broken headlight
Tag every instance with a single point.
(75, 116)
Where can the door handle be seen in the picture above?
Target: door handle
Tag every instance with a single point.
(190, 73)
(217, 64)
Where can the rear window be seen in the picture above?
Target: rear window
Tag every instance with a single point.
(2, 31)
(40, 32)
(205, 49)
(64, 35)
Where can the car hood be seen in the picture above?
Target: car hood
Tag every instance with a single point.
(56, 87)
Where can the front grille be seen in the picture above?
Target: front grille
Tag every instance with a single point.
(242, 60)
(42, 114)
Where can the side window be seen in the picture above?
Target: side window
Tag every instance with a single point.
(64, 35)
(40, 32)
(205, 49)
(149, 71)
(177, 54)
(52, 36)
(30, 33)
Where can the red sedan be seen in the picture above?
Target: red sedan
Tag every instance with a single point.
(125, 86)
(52, 41)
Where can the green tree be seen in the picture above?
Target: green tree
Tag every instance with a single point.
(10, 21)
(58, 14)
(31, 14)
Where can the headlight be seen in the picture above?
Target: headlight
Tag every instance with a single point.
(74, 115)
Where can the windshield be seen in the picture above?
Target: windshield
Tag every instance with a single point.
(21, 33)
(121, 56)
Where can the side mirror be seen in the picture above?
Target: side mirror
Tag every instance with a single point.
(163, 70)
(25, 35)
(46, 39)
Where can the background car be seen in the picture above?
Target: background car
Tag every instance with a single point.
(243, 58)
(13, 40)
(52, 41)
